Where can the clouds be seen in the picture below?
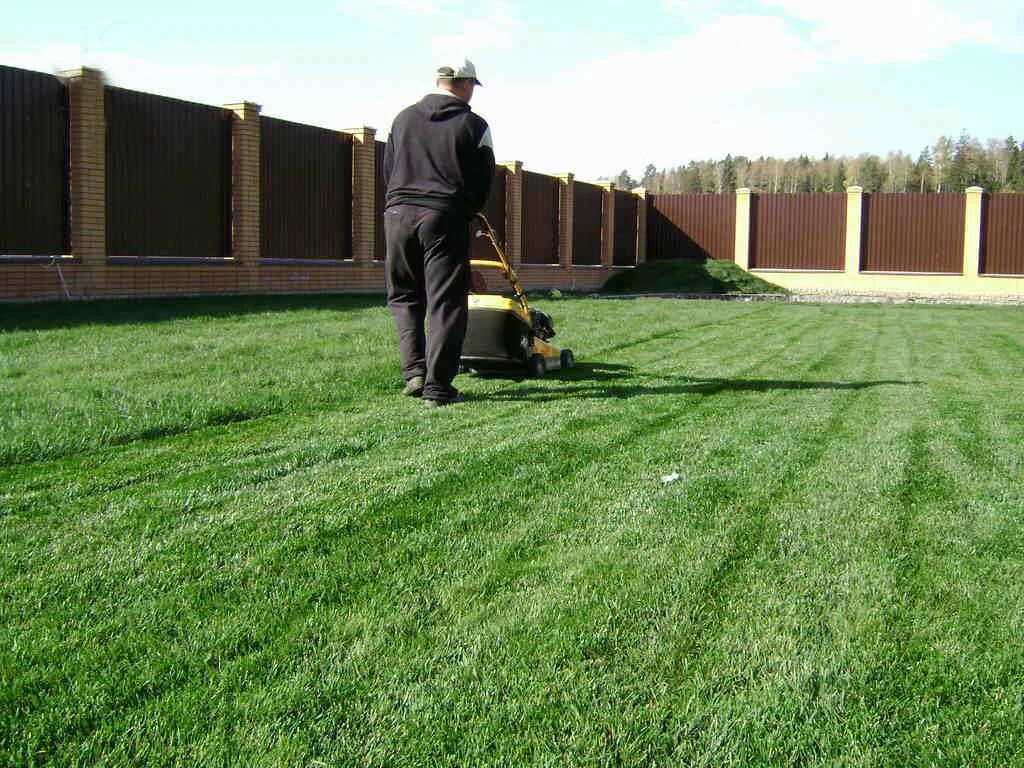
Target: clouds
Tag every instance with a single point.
(449, 28)
(587, 87)
(498, 28)
(579, 117)
(765, 82)
(390, 8)
(887, 30)
(127, 69)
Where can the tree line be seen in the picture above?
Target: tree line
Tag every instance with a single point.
(947, 166)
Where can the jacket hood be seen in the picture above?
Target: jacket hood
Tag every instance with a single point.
(437, 106)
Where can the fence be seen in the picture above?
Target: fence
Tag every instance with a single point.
(540, 218)
(691, 226)
(494, 210)
(157, 196)
(33, 163)
(168, 177)
(1003, 235)
(798, 231)
(950, 244)
(305, 192)
(589, 209)
(913, 233)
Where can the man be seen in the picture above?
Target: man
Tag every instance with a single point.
(438, 165)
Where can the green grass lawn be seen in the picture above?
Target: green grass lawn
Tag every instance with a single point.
(226, 539)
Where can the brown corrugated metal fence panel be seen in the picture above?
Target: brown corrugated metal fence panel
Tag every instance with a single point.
(691, 226)
(33, 163)
(1003, 235)
(913, 233)
(168, 176)
(588, 204)
(305, 191)
(494, 210)
(540, 218)
(805, 231)
(380, 248)
(624, 252)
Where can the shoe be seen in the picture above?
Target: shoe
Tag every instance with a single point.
(453, 400)
(414, 387)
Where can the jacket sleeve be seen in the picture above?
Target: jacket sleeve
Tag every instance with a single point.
(389, 159)
(481, 172)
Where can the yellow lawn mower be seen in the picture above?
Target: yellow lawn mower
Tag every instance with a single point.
(505, 334)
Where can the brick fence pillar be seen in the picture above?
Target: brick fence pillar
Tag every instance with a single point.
(365, 216)
(608, 225)
(87, 133)
(514, 213)
(245, 183)
(566, 219)
(972, 231)
(742, 244)
(641, 225)
(854, 229)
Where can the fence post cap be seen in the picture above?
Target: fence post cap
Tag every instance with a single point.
(743, 191)
(243, 106)
(364, 132)
(855, 188)
(77, 72)
(975, 190)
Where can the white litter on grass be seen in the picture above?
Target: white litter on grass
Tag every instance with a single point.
(666, 479)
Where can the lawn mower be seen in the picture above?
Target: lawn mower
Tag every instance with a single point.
(505, 334)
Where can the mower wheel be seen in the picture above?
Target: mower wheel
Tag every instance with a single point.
(567, 359)
(538, 367)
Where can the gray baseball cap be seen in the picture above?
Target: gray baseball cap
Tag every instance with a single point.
(465, 70)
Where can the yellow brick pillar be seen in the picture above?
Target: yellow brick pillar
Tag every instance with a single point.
(742, 257)
(514, 212)
(365, 217)
(854, 229)
(87, 134)
(641, 225)
(566, 216)
(972, 231)
(245, 183)
(608, 225)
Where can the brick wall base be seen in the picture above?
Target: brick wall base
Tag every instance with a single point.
(40, 280)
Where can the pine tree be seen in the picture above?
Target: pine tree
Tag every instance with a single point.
(1014, 165)
(728, 175)
(872, 173)
(624, 181)
(650, 174)
(803, 181)
(960, 171)
(923, 173)
(942, 157)
(839, 177)
(692, 184)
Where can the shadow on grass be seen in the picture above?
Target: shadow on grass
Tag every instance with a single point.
(602, 380)
(38, 316)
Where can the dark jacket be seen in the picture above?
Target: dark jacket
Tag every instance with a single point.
(439, 156)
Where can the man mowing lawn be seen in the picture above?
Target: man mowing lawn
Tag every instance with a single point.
(438, 166)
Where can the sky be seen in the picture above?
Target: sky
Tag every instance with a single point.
(589, 88)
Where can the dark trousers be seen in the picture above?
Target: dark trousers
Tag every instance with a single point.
(428, 279)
